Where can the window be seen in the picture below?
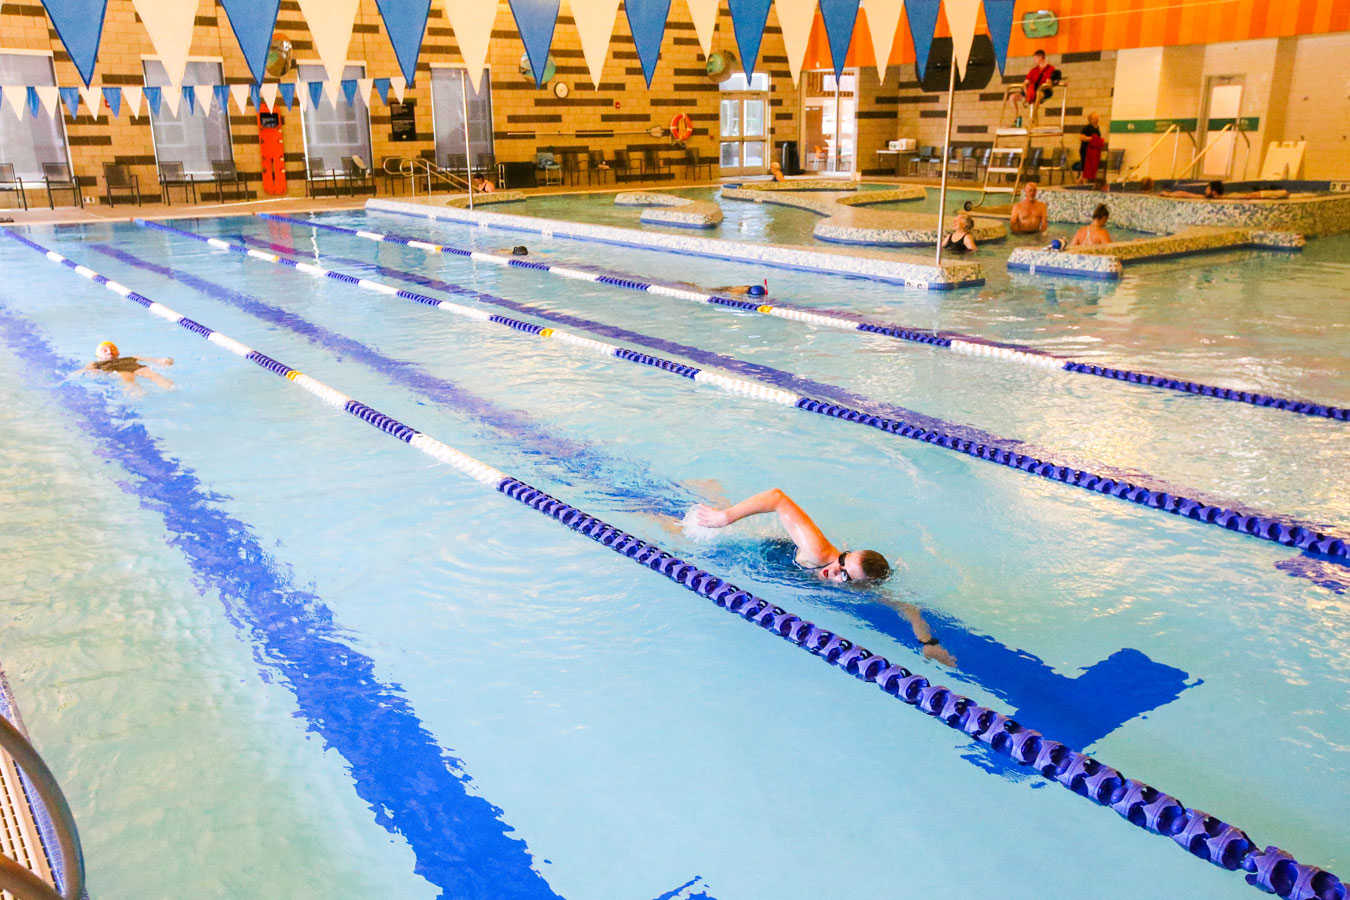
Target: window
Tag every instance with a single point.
(447, 114)
(334, 129)
(193, 139)
(744, 126)
(26, 142)
(828, 113)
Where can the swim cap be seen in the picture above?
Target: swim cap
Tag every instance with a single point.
(756, 290)
(520, 250)
(108, 344)
(1056, 244)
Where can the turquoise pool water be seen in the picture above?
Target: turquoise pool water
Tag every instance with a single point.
(243, 626)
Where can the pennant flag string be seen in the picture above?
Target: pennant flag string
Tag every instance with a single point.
(169, 24)
(647, 22)
(883, 18)
(961, 18)
(840, 18)
(704, 14)
(382, 86)
(131, 95)
(595, 25)
(79, 25)
(999, 16)
(748, 18)
(330, 26)
(287, 90)
(71, 98)
(472, 22)
(923, 16)
(795, 18)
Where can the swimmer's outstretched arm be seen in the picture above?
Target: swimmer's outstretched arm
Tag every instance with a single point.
(155, 361)
(811, 542)
(922, 632)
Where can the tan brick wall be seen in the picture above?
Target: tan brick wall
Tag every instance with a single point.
(621, 104)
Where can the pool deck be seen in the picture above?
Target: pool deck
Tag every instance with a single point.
(1313, 215)
(847, 221)
(672, 209)
(1107, 261)
(913, 271)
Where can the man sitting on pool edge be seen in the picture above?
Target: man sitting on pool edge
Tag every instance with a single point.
(128, 368)
(816, 554)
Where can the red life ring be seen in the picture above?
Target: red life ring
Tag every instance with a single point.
(681, 127)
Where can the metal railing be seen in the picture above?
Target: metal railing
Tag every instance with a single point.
(1173, 130)
(417, 169)
(16, 878)
(1234, 126)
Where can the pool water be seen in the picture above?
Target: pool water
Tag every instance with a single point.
(243, 626)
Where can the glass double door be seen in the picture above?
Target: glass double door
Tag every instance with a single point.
(745, 134)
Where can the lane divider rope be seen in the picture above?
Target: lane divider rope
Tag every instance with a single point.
(1272, 869)
(1277, 529)
(964, 344)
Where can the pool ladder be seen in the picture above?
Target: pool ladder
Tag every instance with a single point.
(1012, 145)
(27, 875)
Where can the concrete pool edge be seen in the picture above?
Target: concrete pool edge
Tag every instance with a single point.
(908, 272)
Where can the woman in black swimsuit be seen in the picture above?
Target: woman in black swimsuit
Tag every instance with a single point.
(128, 368)
(961, 240)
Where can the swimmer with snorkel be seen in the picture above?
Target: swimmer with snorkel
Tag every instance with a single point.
(128, 368)
(817, 555)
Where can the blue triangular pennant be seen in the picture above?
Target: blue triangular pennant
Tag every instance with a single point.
(287, 91)
(222, 93)
(840, 17)
(535, 20)
(747, 20)
(923, 16)
(113, 97)
(33, 101)
(255, 94)
(999, 15)
(315, 93)
(154, 97)
(253, 21)
(382, 87)
(79, 24)
(71, 98)
(406, 22)
(349, 89)
(190, 96)
(647, 21)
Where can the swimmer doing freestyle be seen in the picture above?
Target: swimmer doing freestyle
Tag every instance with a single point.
(816, 554)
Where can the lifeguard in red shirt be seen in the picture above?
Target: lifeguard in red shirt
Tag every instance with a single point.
(1040, 82)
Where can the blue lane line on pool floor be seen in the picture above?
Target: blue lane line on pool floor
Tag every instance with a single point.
(1101, 699)
(1130, 486)
(415, 788)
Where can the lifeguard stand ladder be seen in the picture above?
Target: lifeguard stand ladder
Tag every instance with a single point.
(1012, 146)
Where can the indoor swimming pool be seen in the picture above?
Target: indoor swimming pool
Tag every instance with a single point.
(251, 628)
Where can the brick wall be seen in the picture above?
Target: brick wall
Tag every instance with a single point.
(617, 115)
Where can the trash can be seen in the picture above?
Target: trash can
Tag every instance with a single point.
(788, 159)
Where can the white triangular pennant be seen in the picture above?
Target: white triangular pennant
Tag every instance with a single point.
(473, 30)
(795, 17)
(169, 98)
(398, 83)
(961, 16)
(363, 88)
(50, 97)
(204, 95)
(131, 100)
(595, 24)
(330, 26)
(704, 14)
(883, 18)
(169, 24)
(240, 92)
(93, 98)
(268, 93)
(15, 97)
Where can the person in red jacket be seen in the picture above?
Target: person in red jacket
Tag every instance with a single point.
(1090, 146)
(1039, 82)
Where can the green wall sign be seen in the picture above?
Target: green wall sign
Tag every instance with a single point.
(1151, 126)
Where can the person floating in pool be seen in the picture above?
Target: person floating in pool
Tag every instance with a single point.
(1095, 231)
(128, 368)
(749, 290)
(1028, 215)
(1214, 191)
(816, 554)
(961, 240)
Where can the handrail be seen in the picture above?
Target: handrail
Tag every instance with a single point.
(14, 877)
(1194, 148)
(1195, 160)
(1174, 127)
(416, 168)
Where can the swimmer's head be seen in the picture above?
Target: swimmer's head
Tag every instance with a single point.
(1056, 244)
(756, 290)
(106, 351)
(1214, 189)
(857, 567)
(520, 250)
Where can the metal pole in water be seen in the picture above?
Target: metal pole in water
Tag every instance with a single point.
(946, 158)
(464, 107)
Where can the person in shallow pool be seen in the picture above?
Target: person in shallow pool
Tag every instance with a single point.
(961, 240)
(816, 554)
(128, 368)
(1095, 231)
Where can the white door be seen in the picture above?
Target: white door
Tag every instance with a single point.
(1225, 102)
(744, 142)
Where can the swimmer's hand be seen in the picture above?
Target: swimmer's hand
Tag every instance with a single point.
(710, 518)
(938, 653)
